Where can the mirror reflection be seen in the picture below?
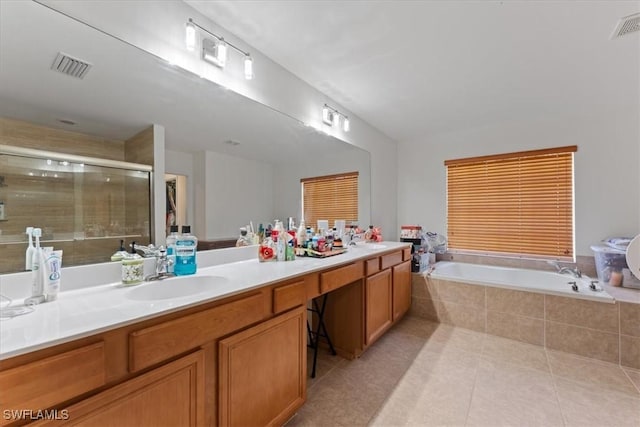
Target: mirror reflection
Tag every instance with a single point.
(239, 160)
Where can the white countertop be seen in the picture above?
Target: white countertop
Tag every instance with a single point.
(83, 312)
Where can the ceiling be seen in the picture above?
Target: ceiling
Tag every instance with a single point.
(417, 68)
(128, 89)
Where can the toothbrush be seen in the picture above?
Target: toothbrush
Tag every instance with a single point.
(28, 259)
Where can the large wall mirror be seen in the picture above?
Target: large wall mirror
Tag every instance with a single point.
(240, 160)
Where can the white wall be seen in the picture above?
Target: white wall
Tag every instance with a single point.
(230, 192)
(286, 182)
(607, 172)
(158, 27)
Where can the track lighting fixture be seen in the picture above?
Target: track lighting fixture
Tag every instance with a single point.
(215, 51)
(248, 67)
(190, 36)
(332, 117)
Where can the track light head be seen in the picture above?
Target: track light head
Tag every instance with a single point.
(190, 35)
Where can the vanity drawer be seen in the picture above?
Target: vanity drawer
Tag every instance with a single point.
(289, 296)
(406, 254)
(373, 266)
(341, 276)
(390, 260)
(159, 342)
(47, 382)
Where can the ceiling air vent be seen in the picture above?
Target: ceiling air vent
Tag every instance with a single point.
(626, 25)
(70, 66)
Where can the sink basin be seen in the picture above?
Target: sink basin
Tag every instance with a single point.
(176, 287)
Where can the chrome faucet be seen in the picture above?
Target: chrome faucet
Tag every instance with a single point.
(575, 272)
(162, 266)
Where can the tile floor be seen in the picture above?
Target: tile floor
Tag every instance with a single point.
(429, 374)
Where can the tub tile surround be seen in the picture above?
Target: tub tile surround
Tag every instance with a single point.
(525, 329)
(459, 377)
(583, 341)
(586, 264)
(607, 332)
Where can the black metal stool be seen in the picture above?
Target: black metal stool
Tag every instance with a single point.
(320, 331)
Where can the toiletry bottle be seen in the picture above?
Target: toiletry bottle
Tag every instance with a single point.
(368, 235)
(37, 286)
(52, 269)
(28, 259)
(172, 238)
(267, 249)
(301, 235)
(290, 249)
(280, 241)
(132, 267)
(186, 246)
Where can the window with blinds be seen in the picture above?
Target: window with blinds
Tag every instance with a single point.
(330, 197)
(517, 203)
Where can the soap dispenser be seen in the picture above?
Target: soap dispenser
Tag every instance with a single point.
(132, 267)
(120, 254)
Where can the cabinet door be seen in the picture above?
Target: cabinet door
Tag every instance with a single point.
(262, 372)
(171, 395)
(377, 305)
(401, 289)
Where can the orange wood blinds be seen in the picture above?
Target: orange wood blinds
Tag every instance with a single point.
(517, 203)
(330, 197)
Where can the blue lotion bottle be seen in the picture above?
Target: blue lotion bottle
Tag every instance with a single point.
(185, 252)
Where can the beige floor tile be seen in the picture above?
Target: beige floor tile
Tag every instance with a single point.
(512, 395)
(510, 351)
(607, 376)
(416, 326)
(427, 374)
(436, 401)
(447, 336)
(457, 365)
(326, 363)
(634, 376)
(585, 405)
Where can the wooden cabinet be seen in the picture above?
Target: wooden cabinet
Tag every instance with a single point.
(159, 342)
(341, 276)
(44, 383)
(378, 308)
(172, 395)
(401, 289)
(262, 372)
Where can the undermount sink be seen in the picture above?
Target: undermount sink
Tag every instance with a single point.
(176, 287)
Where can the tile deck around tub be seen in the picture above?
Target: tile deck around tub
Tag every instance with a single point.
(422, 373)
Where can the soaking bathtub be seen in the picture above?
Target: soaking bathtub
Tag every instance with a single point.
(545, 282)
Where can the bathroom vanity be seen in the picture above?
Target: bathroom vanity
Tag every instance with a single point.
(234, 354)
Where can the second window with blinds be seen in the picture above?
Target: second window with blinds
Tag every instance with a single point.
(330, 197)
(517, 204)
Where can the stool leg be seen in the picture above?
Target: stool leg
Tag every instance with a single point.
(322, 326)
(320, 331)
